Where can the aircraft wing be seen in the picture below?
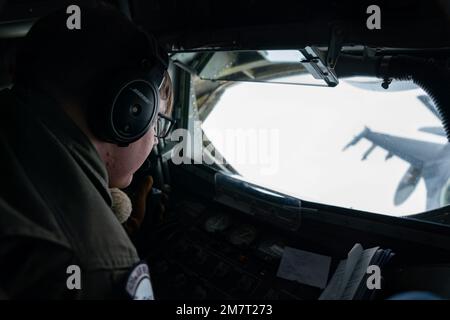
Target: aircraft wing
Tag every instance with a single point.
(427, 102)
(415, 152)
(439, 131)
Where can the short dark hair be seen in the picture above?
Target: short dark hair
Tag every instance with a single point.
(71, 61)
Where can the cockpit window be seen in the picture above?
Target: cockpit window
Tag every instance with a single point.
(356, 145)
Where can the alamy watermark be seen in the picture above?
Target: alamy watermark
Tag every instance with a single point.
(73, 22)
(250, 146)
(374, 20)
(74, 279)
(374, 280)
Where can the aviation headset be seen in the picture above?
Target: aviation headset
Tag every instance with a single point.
(124, 101)
(125, 106)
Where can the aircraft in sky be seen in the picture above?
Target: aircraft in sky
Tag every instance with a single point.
(428, 160)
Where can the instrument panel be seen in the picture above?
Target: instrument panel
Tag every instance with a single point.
(220, 254)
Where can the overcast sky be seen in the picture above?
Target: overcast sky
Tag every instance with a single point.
(312, 125)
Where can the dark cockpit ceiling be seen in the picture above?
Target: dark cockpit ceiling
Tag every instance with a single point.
(288, 24)
(412, 27)
(250, 24)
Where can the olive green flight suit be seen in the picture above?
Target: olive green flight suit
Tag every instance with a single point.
(55, 208)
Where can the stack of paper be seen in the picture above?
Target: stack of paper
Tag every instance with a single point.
(357, 277)
(350, 280)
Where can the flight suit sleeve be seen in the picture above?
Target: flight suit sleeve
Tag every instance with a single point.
(39, 269)
(33, 268)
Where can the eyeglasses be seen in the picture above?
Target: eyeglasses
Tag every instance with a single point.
(163, 125)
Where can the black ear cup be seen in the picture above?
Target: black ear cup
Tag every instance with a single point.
(133, 110)
(123, 110)
(126, 102)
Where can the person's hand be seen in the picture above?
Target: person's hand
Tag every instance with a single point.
(139, 205)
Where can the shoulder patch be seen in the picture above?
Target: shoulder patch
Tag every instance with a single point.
(139, 286)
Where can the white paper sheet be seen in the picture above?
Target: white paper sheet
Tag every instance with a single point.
(304, 267)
